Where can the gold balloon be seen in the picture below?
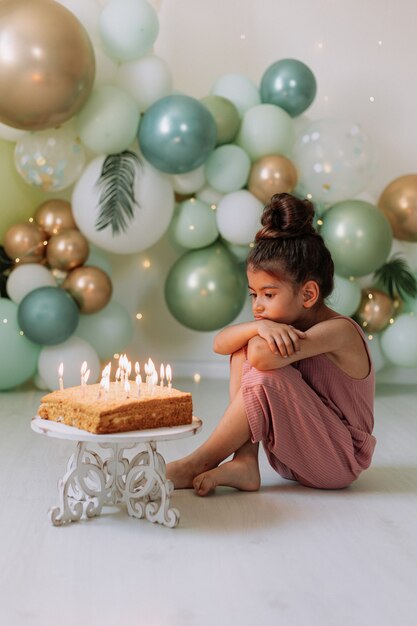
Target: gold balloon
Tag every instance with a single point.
(272, 174)
(67, 250)
(398, 202)
(47, 64)
(25, 243)
(55, 215)
(90, 287)
(375, 310)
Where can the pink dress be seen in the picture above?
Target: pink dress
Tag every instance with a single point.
(314, 420)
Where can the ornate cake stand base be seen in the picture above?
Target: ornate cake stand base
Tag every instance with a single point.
(99, 473)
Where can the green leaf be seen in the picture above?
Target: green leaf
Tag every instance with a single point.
(396, 277)
(117, 196)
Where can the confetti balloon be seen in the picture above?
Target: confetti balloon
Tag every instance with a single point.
(50, 159)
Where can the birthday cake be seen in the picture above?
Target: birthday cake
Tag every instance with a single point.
(97, 411)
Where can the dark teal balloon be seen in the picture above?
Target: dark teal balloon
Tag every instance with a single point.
(289, 84)
(205, 289)
(176, 134)
(48, 315)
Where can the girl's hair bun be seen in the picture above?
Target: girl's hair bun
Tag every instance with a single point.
(286, 217)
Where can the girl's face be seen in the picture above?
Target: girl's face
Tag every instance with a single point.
(273, 299)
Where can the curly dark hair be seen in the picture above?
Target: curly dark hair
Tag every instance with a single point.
(288, 246)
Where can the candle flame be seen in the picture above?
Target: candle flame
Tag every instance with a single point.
(61, 370)
(137, 368)
(162, 372)
(169, 373)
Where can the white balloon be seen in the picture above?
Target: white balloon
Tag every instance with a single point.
(399, 341)
(147, 80)
(39, 383)
(10, 134)
(25, 278)
(87, 12)
(72, 353)
(239, 216)
(151, 215)
(210, 195)
(239, 89)
(190, 182)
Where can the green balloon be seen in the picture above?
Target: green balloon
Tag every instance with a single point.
(108, 331)
(19, 356)
(194, 225)
(226, 117)
(346, 296)
(289, 84)
(48, 315)
(358, 236)
(205, 289)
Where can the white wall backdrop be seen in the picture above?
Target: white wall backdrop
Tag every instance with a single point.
(363, 55)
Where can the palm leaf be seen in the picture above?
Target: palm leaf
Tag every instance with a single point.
(117, 196)
(395, 276)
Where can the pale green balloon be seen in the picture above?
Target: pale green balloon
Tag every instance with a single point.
(266, 129)
(98, 258)
(227, 168)
(109, 331)
(194, 225)
(399, 341)
(358, 236)
(19, 356)
(346, 296)
(205, 289)
(226, 117)
(109, 121)
(239, 89)
(128, 28)
(239, 252)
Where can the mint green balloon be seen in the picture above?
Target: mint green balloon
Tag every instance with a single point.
(109, 121)
(227, 168)
(109, 331)
(346, 296)
(205, 289)
(266, 129)
(410, 304)
(399, 341)
(194, 225)
(239, 252)
(18, 356)
(358, 236)
(226, 117)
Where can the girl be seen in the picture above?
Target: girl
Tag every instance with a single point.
(302, 380)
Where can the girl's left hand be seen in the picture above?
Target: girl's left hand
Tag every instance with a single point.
(282, 339)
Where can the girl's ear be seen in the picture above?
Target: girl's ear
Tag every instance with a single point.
(311, 293)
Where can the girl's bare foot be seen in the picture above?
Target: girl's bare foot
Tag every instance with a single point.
(241, 473)
(181, 473)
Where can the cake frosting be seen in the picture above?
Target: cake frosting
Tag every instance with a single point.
(91, 408)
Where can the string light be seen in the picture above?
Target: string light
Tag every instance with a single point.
(146, 263)
(139, 316)
(372, 99)
(197, 377)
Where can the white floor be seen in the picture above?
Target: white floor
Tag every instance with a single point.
(286, 555)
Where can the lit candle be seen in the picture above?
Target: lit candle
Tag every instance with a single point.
(154, 381)
(138, 383)
(161, 375)
(61, 376)
(169, 376)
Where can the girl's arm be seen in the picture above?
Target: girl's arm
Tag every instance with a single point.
(277, 337)
(338, 337)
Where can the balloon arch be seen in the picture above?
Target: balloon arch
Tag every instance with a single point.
(90, 105)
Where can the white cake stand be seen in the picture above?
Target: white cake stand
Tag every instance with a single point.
(92, 481)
